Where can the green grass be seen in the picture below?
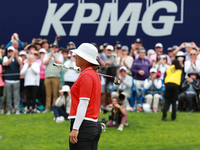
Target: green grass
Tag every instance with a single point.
(145, 132)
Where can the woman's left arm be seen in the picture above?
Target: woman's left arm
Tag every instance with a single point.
(80, 114)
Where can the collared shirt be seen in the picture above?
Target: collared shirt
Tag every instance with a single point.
(87, 86)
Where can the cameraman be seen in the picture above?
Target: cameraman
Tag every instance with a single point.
(123, 91)
(62, 106)
(119, 115)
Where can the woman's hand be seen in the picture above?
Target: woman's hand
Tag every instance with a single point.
(73, 136)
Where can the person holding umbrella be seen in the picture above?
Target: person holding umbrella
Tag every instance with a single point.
(86, 100)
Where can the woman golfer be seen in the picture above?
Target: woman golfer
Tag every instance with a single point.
(85, 101)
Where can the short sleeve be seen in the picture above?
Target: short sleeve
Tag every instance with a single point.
(86, 86)
(5, 59)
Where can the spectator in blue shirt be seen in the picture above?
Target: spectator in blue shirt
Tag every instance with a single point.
(15, 42)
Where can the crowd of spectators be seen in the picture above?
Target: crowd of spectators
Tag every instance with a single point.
(27, 73)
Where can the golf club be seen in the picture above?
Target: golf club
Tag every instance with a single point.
(116, 78)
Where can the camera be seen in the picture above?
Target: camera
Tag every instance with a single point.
(121, 95)
(66, 94)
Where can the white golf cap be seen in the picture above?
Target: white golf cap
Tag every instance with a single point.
(65, 88)
(123, 68)
(180, 53)
(88, 52)
(153, 70)
(42, 50)
(163, 57)
(22, 52)
(150, 52)
(11, 48)
(110, 47)
(159, 45)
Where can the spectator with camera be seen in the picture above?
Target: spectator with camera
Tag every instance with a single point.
(31, 70)
(190, 91)
(140, 69)
(123, 91)
(162, 66)
(188, 47)
(62, 106)
(153, 89)
(12, 63)
(52, 75)
(119, 115)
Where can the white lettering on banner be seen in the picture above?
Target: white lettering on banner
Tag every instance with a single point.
(109, 15)
(54, 19)
(111, 10)
(168, 21)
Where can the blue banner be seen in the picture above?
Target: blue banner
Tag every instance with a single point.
(169, 22)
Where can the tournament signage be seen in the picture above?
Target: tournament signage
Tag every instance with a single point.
(165, 21)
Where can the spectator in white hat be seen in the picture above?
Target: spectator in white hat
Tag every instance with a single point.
(110, 68)
(125, 60)
(153, 89)
(70, 76)
(12, 63)
(162, 66)
(62, 106)
(41, 95)
(159, 51)
(124, 89)
(150, 52)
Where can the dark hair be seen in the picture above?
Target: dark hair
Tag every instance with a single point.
(176, 64)
(95, 67)
(65, 50)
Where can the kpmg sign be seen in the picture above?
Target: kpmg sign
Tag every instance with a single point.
(108, 14)
(167, 21)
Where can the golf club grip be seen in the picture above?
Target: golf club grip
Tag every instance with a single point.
(67, 67)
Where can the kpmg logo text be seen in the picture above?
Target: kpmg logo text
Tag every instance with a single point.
(109, 15)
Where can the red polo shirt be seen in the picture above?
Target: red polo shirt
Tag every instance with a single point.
(88, 85)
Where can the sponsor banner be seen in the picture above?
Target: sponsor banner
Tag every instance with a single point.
(169, 22)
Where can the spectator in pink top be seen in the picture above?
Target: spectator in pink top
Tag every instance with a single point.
(1, 89)
(41, 91)
(159, 51)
